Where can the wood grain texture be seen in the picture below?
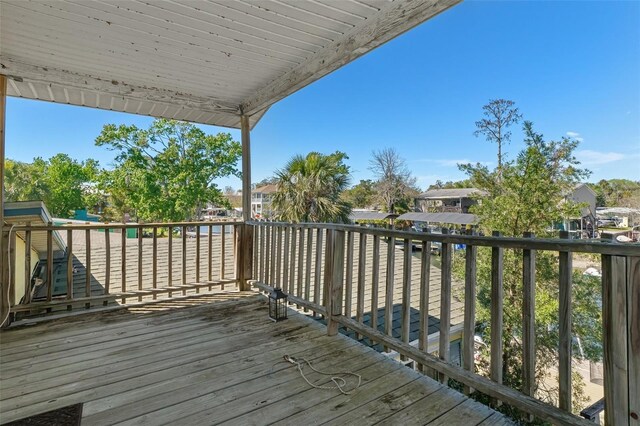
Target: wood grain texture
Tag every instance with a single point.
(528, 320)
(615, 338)
(166, 366)
(564, 316)
(446, 254)
(497, 311)
(470, 279)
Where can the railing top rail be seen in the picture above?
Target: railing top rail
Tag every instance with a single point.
(116, 225)
(550, 244)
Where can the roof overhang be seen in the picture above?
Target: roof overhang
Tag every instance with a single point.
(206, 62)
(34, 213)
(453, 218)
(368, 215)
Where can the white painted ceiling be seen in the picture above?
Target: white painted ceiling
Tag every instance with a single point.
(195, 60)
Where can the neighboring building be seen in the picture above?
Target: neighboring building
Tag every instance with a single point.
(585, 225)
(455, 200)
(261, 201)
(34, 213)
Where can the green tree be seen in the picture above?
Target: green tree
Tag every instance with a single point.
(395, 186)
(500, 114)
(361, 195)
(309, 189)
(529, 199)
(62, 183)
(168, 171)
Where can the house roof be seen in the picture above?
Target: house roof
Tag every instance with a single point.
(205, 62)
(34, 213)
(454, 218)
(357, 215)
(443, 194)
(267, 189)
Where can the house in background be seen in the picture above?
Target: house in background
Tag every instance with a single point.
(261, 201)
(586, 225)
(34, 213)
(455, 200)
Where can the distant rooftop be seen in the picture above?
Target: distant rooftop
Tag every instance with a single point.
(441, 194)
(267, 189)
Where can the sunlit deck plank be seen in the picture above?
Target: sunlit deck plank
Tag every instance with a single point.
(210, 364)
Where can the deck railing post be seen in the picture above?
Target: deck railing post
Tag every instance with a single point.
(334, 278)
(621, 321)
(244, 256)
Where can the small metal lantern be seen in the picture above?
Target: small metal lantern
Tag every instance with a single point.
(277, 305)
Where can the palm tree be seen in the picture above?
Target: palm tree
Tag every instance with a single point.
(309, 188)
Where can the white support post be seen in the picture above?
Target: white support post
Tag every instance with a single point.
(4, 253)
(246, 167)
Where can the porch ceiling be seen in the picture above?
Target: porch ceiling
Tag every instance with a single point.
(200, 61)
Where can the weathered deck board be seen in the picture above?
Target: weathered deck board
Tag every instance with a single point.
(220, 362)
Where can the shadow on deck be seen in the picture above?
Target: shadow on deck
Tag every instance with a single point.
(213, 363)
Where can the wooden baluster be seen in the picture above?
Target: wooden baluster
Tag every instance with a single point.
(278, 280)
(154, 278)
(497, 312)
(425, 277)
(107, 271)
(388, 300)
(27, 264)
(445, 303)
(375, 278)
(223, 254)
(123, 261)
(362, 270)
(210, 256)
(334, 263)
(633, 337)
(260, 231)
(274, 238)
(528, 320)
(267, 255)
(170, 261)
(256, 252)
(318, 272)
(184, 259)
(406, 292)
(87, 279)
(197, 258)
(292, 260)
(69, 266)
(349, 276)
(300, 264)
(285, 259)
(49, 262)
(307, 276)
(564, 317)
(139, 229)
(468, 345)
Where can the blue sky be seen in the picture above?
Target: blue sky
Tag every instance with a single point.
(572, 67)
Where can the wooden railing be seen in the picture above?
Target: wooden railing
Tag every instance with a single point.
(108, 263)
(336, 271)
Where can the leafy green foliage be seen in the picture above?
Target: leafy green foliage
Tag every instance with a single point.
(361, 195)
(168, 171)
(499, 115)
(61, 182)
(529, 198)
(465, 183)
(309, 189)
(617, 193)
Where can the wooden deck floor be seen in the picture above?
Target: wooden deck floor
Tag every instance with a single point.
(211, 364)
